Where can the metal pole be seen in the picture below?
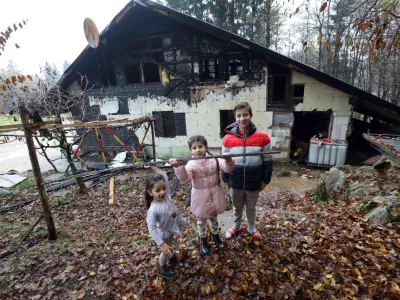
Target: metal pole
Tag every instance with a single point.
(38, 175)
(101, 146)
(135, 159)
(140, 146)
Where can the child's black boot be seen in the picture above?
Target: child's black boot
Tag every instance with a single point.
(176, 262)
(165, 272)
(218, 243)
(204, 247)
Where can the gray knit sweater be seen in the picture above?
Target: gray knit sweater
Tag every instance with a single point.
(163, 220)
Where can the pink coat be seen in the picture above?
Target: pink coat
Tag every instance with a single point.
(208, 196)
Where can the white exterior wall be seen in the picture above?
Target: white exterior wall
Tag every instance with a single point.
(321, 97)
(203, 116)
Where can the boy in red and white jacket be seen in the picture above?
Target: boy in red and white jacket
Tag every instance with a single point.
(251, 173)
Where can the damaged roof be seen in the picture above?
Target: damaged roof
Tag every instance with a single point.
(361, 100)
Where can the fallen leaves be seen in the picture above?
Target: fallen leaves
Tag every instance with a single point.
(308, 251)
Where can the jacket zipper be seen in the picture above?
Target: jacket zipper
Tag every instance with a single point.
(244, 161)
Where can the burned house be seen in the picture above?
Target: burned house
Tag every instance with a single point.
(155, 61)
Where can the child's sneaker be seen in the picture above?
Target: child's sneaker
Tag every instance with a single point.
(253, 231)
(230, 233)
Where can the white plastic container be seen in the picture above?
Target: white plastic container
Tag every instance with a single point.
(327, 154)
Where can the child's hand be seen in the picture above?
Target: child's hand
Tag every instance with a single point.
(173, 162)
(166, 249)
(227, 159)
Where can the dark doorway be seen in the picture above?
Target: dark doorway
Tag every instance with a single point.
(226, 118)
(306, 125)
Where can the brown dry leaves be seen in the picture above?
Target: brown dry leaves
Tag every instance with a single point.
(308, 251)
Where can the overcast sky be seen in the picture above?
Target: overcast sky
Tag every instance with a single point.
(54, 31)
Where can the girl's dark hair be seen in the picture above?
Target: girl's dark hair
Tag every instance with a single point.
(197, 138)
(151, 179)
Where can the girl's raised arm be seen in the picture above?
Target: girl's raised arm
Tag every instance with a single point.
(184, 173)
(226, 167)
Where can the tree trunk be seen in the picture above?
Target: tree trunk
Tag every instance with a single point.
(45, 154)
(51, 229)
(82, 186)
(268, 23)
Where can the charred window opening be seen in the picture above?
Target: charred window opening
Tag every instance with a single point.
(298, 93)
(132, 73)
(155, 43)
(109, 78)
(138, 45)
(151, 73)
(235, 67)
(257, 69)
(209, 69)
(181, 40)
(169, 124)
(278, 87)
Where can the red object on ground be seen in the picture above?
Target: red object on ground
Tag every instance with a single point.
(372, 160)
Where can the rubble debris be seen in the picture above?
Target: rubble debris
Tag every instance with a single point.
(388, 145)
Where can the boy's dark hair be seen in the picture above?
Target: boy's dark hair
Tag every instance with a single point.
(151, 179)
(197, 138)
(243, 105)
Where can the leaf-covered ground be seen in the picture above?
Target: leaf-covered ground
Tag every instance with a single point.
(308, 251)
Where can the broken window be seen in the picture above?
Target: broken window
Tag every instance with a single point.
(279, 97)
(181, 40)
(109, 78)
(235, 67)
(151, 72)
(277, 88)
(298, 93)
(257, 69)
(226, 117)
(132, 73)
(169, 124)
(209, 69)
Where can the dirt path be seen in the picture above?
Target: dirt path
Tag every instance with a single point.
(275, 191)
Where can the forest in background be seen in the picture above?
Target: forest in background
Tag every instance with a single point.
(352, 40)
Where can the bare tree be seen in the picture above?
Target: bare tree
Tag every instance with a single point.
(43, 97)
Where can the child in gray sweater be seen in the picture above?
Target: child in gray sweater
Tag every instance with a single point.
(163, 221)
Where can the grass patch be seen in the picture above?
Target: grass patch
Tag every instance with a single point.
(14, 268)
(4, 227)
(122, 188)
(4, 195)
(58, 201)
(15, 119)
(62, 241)
(25, 184)
(315, 197)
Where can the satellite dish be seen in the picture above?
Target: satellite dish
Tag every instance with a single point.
(91, 33)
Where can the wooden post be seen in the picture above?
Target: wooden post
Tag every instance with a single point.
(153, 140)
(111, 200)
(38, 175)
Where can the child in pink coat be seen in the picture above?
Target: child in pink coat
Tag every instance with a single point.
(208, 196)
